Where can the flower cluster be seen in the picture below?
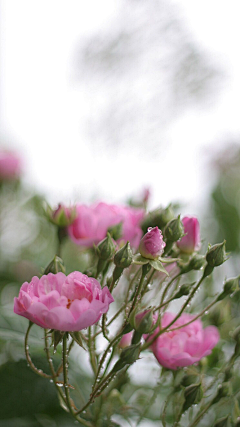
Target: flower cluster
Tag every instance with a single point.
(143, 274)
(92, 222)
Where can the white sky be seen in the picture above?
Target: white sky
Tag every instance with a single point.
(41, 106)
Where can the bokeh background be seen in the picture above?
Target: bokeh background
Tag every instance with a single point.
(100, 100)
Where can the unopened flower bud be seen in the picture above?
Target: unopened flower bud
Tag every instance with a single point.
(223, 391)
(124, 256)
(197, 262)
(216, 254)
(106, 248)
(229, 287)
(190, 242)
(193, 395)
(188, 380)
(62, 216)
(223, 422)
(126, 340)
(184, 290)
(116, 231)
(55, 266)
(158, 218)
(142, 322)
(128, 356)
(152, 244)
(174, 230)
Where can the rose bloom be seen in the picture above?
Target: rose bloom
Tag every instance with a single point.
(65, 303)
(10, 166)
(191, 241)
(184, 346)
(92, 223)
(152, 244)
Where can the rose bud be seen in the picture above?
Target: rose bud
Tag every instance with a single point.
(216, 254)
(152, 244)
(126, 340)
(191, 241)
(61, 216)
(174, 230)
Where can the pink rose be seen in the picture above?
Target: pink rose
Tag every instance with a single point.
(184, 346)
(92, 223)
(152, 244)
(65, 303)
(126, 340)
(190, 242)
(10, 166)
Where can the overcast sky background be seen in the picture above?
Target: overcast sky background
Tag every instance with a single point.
(43, 105)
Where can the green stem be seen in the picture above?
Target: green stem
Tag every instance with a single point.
(167, 287)
(195, 422)
(91, 346)
(118, 337)
(138, 292)
(28, 357)
(66, 386)
(54, 374)
(161, 331)
(130, 284)
(97, 390)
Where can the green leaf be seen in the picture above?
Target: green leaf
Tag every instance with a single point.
(140, 260)
(155, 263)
(169, 260)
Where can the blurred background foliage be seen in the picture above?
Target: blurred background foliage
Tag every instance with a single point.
(136, 75)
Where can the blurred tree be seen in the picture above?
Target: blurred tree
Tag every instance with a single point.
(139, 73)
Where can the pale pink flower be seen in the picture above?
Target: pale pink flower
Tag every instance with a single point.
(126, 340)
(186, 345)
(65, 303)
(152, 244)
(92, 223)
(10, 166)
(191, 241)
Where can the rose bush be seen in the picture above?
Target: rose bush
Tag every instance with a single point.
(92, 222)
(65, 303)
(184, 346)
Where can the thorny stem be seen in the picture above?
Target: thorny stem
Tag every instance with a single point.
(118, 336)
(54, 374)
(167, 287)
(138, 292)
(66, 386)
(148, 281)
(161, 331)
(28, 357)
(130, 284)
(97, 390)
(195, 422)
(196, 317)
(91, 346)
(104, 331)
